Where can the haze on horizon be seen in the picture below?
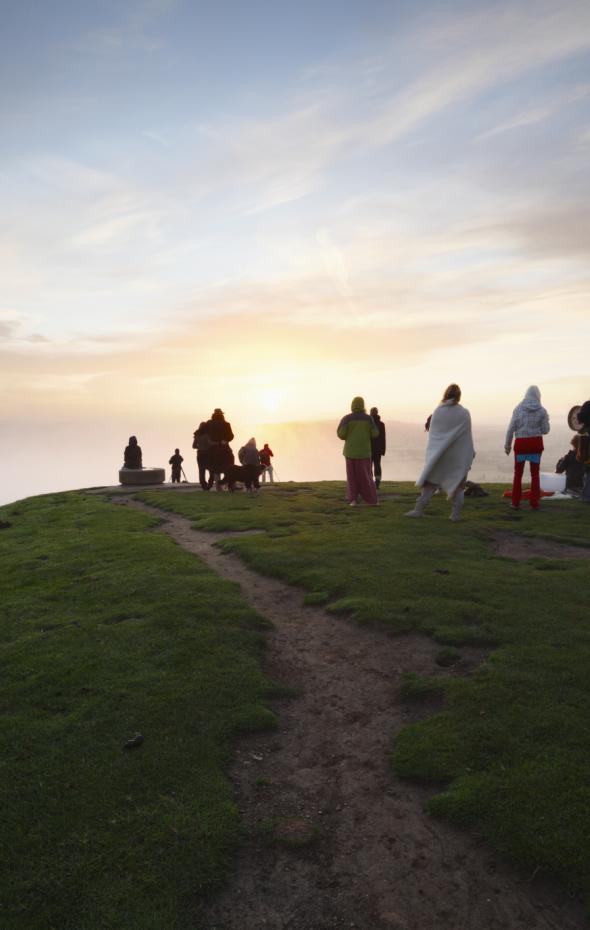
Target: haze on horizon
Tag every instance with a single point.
(273, 207)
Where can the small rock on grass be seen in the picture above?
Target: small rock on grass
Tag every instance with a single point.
(134, 742)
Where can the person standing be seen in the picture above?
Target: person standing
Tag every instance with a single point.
(202, 443)
(449, 454)
(377, 446)
(176, 461)
(528, 425)
(220, 455)
(266, 454)
(357, 429)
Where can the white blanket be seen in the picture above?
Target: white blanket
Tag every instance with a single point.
(450, 451)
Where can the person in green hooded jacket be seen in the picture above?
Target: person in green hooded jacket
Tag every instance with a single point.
(357, 429)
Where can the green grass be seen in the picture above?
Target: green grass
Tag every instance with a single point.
(510, 752)
(108, 629)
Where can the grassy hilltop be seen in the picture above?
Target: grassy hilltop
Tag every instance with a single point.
(108, 629)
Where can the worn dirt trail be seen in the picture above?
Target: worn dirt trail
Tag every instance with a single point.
(375, 861)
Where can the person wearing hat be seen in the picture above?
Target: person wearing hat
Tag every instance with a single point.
(220, 455)
(357, 429)
(377, 446)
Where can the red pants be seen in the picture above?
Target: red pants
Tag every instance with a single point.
(517, 483)
(359, 481)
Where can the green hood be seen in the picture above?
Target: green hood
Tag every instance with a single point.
(358, 405)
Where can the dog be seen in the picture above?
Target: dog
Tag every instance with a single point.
(246, 474)
(475, 490)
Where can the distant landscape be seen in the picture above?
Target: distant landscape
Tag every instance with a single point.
(36, 458)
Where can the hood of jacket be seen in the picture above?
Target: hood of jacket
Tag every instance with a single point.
(532, 399)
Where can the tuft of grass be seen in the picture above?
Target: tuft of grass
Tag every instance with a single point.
(415, 687)
(290, 832)
(108, 630)
(447, 656)
(263, 781)
(316, 598)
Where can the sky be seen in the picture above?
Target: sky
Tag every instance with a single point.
(272, 207)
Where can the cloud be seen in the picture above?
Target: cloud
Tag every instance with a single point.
(551, 230)
(155, 137)
(135, 30)
(551, 106)
(7, 328)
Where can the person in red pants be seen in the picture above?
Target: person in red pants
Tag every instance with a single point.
(529, 423)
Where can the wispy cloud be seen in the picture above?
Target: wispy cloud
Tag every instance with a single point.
(538, 114)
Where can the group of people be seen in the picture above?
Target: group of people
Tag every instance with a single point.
(450, 451)
(216, 461)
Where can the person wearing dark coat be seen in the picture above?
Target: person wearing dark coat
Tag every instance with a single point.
(132, 455)
(573, 468)
(249, 457)
(377, 446)
(220, 434)
(176, 461)
(583, 454)
(202, 443)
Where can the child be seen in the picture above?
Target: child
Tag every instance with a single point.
(176, 461)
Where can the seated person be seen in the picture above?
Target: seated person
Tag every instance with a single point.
(583, 455)
(132, 454)
(574, 469)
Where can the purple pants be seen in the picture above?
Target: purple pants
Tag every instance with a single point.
(359, 481)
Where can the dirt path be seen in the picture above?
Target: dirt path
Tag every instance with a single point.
(369, 857)
(521, 548)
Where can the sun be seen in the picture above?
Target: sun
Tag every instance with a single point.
(271, 399)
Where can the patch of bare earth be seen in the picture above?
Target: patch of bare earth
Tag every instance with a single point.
(333, 839)
(521, 548)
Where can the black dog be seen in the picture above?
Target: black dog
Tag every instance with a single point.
(475, 490)
(247, 474)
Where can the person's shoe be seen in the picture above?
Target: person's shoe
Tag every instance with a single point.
(353, 504)
(414, 513)
(455, 517)
(515, 506)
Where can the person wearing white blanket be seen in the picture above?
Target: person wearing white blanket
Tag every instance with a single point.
(449, 454)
